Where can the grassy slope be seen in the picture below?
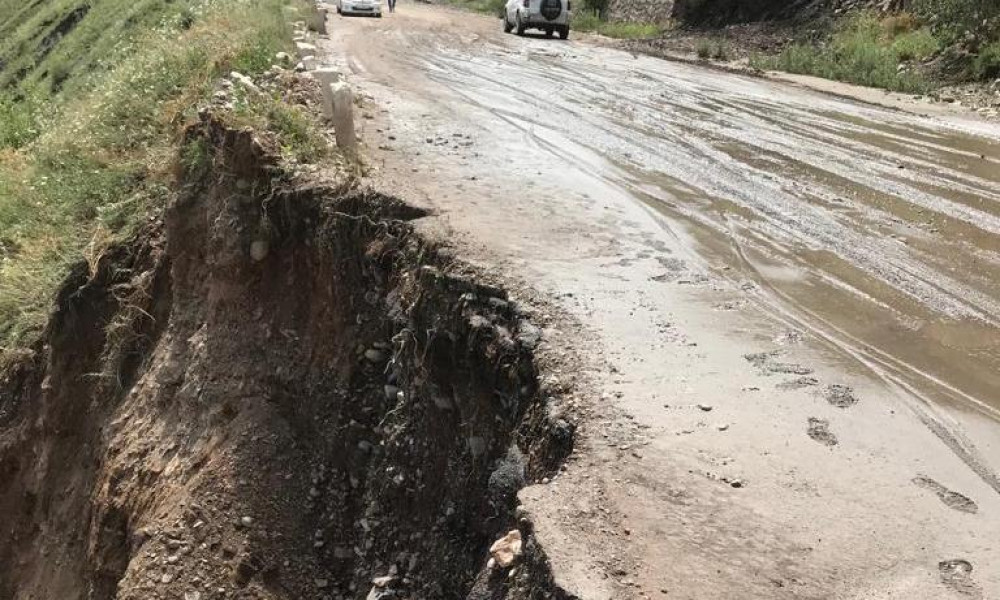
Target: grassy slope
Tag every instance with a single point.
(83, 162)
(590, 20)
(910, 51)
(866, 50)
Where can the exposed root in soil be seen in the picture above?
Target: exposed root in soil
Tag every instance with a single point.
(276, 392)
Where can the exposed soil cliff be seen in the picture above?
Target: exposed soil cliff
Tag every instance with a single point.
(277, 391)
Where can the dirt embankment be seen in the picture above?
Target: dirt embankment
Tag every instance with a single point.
(277, 391)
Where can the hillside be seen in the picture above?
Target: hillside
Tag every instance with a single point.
(913, 46)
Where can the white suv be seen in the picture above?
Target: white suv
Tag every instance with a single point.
(549, 16)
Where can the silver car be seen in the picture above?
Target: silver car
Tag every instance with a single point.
(359, 7)
(550, 16)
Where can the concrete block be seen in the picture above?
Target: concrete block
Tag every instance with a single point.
(328, 75)
(318, 23)
(303, 49)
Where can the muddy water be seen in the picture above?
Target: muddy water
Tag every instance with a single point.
(878, 230)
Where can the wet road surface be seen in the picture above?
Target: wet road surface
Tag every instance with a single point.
(725, 235)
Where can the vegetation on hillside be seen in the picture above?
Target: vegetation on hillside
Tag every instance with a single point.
(590, 20)
(865, 50)
(912, 50)
(92, 98)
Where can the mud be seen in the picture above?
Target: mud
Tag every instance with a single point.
(689, 217)
(279, 391)
(819, 430)
(951, 499)
(957, 575)
(841, 396)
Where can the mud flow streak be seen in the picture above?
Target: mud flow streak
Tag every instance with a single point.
(875, 229)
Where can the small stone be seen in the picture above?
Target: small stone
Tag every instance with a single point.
(722, 426)
(507, 549)
(246, 521)
(705, 407)
(321, 583)
(259, 250)
(167, 578)
(374, 355)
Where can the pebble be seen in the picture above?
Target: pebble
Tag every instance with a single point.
(246, 521)
(722, 426)
(705, 407)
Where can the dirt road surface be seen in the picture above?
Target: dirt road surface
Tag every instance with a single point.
(789, 306)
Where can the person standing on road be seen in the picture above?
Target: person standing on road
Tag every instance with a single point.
(392, 6)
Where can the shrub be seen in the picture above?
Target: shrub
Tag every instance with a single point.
(704, 49)
(861, 52)
(590, 20)
(895, 25)
(987, 63)
(952, 18)
(915, 45)
(19, 118)
(720, 51)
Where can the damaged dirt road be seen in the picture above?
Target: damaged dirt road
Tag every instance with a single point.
(790, 359)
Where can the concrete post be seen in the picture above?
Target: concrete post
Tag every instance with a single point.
(343, 116)
(319, 20)
(327, 77)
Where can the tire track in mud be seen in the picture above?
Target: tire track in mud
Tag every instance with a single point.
(642, 142)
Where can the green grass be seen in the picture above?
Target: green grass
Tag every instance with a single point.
(20, 119)
(987, 63)
(952, 19)
(486, 7)
(863, 51)
(82, 163)
(591, 21)
(712, 49)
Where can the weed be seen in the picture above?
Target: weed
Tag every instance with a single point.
(712, 49)
(951, 19)
(704, 49)
(487, 7)
(987, 63)
(899, 24)
(590, 20)
(720, 51)
(297, 132)
(915, 45)
(195, 158)
(19, 120)
(862, 51)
